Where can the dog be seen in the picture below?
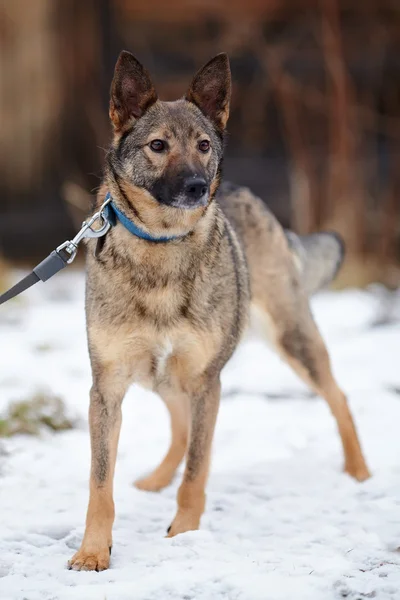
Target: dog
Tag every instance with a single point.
(169, 290)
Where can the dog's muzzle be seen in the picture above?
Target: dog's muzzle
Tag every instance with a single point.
(194, 193)
(184, 192)
(195, 189)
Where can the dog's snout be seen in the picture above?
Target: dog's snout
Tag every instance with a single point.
(195, 188)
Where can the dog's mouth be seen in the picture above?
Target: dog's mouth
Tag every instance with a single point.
(185, 202)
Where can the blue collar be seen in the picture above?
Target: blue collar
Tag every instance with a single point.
(114, 214)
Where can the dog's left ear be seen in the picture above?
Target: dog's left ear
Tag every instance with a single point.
(210, 90)
(132, 91)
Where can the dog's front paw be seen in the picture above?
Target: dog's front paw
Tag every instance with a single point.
(184, 521)
(90, 560)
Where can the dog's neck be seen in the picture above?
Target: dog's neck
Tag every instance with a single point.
(155, 219)
(115, 215)
(188, 228)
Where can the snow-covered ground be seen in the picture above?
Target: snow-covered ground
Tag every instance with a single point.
(282, 521)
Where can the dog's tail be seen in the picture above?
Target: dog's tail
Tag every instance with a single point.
(318, 256)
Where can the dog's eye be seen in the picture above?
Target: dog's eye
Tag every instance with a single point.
(204, 146)
(158, 145)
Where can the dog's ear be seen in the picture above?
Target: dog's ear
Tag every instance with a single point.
(210, 90)
(132, 91)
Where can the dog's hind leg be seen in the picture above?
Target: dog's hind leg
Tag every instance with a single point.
(296, 337)
(191, 496)
(177, 405)
(106, 397)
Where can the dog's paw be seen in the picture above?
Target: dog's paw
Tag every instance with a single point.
(184, 521)
(359, 472)
(153, 482)
(83, 560)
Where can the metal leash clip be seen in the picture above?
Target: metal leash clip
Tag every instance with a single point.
(86, 231)
(63, 255)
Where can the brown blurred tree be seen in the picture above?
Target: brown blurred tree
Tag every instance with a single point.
(53, 116)
(314, 127)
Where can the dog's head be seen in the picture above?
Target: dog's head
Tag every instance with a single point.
(169, 151)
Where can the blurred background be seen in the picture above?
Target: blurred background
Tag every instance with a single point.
(315, 132)
(314, 127)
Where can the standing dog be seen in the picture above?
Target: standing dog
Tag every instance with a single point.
(169, 291)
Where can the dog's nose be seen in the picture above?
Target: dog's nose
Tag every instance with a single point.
(195, 188)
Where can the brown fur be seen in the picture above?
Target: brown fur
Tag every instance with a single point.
(169, 315)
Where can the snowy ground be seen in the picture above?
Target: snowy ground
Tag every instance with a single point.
(282, 522)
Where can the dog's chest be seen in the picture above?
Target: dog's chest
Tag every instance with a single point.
(161, 355)
(152, 358)
(169, 360)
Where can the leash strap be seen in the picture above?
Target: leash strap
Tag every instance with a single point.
(62, 256)
(56, 261)
(20, 287)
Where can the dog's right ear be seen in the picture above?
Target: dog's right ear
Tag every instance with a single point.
(210, 90)
(132, 91)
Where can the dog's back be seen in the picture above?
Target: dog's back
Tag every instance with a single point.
(270, 250)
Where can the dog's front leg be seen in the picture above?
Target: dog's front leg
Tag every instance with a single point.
(106, 398)
(191, 494)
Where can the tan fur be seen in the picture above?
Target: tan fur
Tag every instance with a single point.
(178, 406)
(191, 496)
(169, 315)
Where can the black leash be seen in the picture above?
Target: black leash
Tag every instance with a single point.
(62, 256)
(20, 287)
(42, 272)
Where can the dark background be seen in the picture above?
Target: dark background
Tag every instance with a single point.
(314, 127)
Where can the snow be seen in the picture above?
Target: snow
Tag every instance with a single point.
(282, 521)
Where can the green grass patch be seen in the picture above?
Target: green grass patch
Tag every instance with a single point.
(31, 416)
